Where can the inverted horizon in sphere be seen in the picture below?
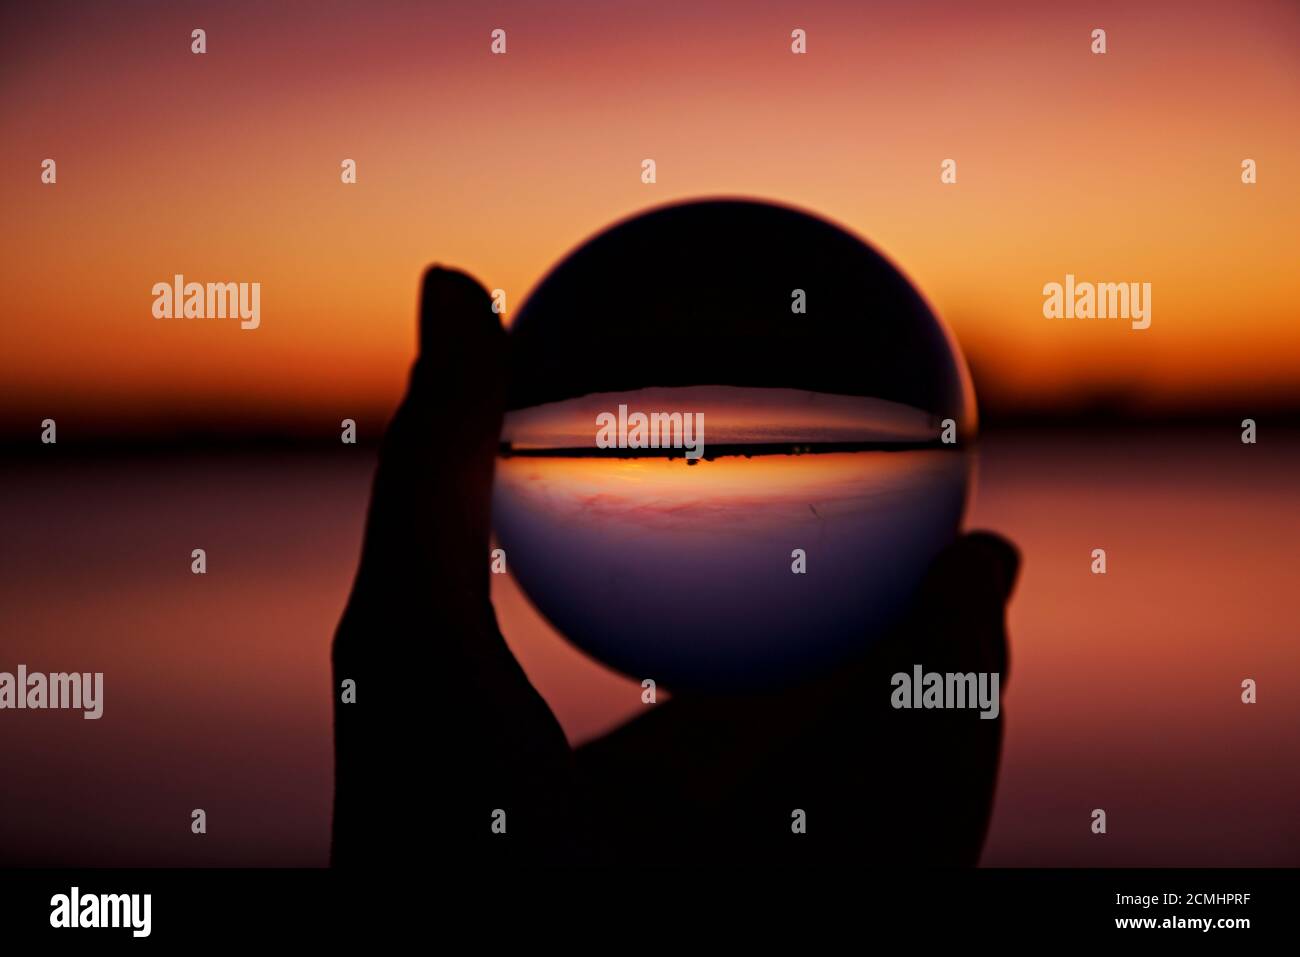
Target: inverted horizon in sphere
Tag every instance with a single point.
(733, 416)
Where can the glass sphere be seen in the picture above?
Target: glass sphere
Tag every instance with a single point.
(737, 437)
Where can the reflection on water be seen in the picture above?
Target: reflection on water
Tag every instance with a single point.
(684, 573)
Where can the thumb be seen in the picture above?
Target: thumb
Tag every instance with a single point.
(429, 517)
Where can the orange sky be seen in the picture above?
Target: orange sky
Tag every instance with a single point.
(1122, 167)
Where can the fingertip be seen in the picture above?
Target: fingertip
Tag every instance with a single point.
(456, 317)
(981, 563)
(999, 555)
(442, 283)
(961, 610)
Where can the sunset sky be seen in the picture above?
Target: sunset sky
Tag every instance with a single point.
(225, 166)
(1124, 688)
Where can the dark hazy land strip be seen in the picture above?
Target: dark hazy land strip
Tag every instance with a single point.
(717, 451)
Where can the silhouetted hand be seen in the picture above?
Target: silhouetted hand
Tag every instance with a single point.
(447, 728)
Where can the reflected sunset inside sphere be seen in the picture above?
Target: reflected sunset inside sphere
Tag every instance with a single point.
(702, 483)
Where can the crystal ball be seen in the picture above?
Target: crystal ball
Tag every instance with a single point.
(735, 440)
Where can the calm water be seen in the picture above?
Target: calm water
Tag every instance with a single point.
(1124, 691)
